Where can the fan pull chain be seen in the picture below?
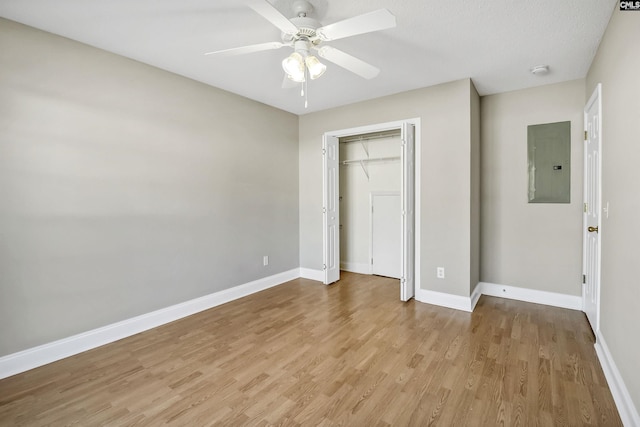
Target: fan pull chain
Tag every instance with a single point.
(306, 88)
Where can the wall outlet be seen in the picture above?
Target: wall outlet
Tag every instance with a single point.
(440, 272)
(265, 260)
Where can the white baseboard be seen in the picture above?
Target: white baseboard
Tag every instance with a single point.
(475, 296)
(41, 355)
(456, 302)
(627, 410)
(531, 295)
(311, 274)
(355, 267)
(503, 291)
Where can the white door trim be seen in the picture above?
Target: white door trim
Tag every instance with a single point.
(380, 127)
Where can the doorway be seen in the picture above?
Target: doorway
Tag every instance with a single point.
(409, 201)
(369, 167)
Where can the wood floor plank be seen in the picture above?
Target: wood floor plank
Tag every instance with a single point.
(347, 354)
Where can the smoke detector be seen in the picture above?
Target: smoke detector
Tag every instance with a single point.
(540, 70)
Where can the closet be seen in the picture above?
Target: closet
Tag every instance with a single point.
(370, 203)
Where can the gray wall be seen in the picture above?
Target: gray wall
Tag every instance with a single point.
(125, 189)
(617, 67)
(538, 245)
(445, 113)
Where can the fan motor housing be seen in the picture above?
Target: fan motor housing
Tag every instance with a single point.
(306, 28)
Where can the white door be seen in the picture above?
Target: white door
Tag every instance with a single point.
(331, 209)
(386, 228)
(407, 282)
(592, 205)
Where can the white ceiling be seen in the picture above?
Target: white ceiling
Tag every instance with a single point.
(494, 42)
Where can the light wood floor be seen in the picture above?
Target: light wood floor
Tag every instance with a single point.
(349, 354)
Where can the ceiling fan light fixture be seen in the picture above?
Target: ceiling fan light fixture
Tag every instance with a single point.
(316, 68)
(298, 77)
(293, 65)
(305, 34)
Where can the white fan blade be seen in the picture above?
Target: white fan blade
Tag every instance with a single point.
(348, 62)
(373, 21)
(247, 49)
(271, 14)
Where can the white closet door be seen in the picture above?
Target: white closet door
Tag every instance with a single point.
(592, 209)
(407, 281)
(331, 210)
(386, 226)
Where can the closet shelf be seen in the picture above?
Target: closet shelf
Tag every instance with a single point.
(368, 137)
(364, 162)
(369, 160)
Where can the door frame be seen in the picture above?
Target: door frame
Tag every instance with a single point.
(381, 127)
(595, 97)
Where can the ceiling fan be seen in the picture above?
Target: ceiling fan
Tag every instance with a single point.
(306, 35)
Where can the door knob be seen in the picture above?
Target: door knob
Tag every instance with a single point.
(592, 229)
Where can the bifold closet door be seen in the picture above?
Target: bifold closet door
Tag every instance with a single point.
(331, 209)
(386, 227)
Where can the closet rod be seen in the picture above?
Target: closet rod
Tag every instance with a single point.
(374, 159)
